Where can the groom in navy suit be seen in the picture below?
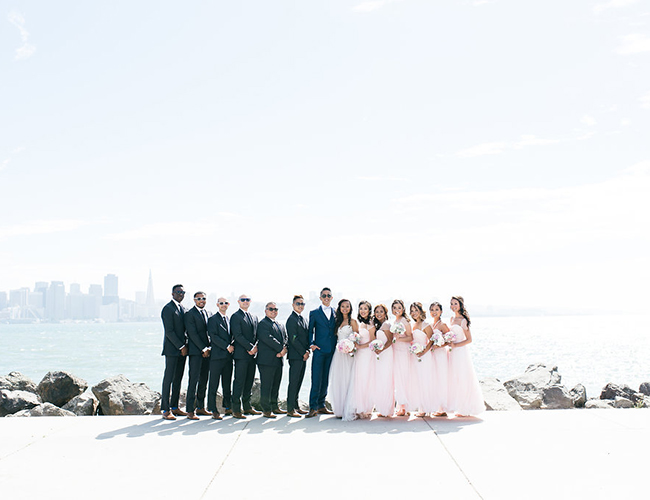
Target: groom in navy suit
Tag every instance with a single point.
(322, 341)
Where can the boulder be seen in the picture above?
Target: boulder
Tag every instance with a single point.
(600, 403)
(579, 396)
(83, 404)
(556, 397)
(644, 388)
(255, 395)
(526, 388)
(612, 391)
(119, 396)
(16, 381)
(60, 387)
(496, 396)
(620, 402)
(44, 410)
(15, 401)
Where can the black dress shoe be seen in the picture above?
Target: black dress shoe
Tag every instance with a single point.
(278, 411)
(252, 412)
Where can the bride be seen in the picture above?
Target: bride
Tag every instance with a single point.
(341, 386)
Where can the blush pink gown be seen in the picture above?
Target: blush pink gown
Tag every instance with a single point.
(383, 388)
(422, 376)
(402, 372)
(364, 374)
(465, 396)
(440, 378)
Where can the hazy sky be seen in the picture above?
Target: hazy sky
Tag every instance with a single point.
(416, 149)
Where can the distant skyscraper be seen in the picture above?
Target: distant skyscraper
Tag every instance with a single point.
(55, 301)
(151, 302)
(110, 290)
(95, 290)
(3, 300)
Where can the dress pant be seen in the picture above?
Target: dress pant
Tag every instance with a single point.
(270, 377)
(296, 376)
(320, 372)
(174, 368)
(199, 371)
(220, 369)
(243, 383)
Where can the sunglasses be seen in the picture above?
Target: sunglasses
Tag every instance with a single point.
(224, 303)
(180, 293)
(273, 309)
(245, 300)
(327, 295)
(298, 304)
(201, 298)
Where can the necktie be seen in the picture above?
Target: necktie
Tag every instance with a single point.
(205, 316)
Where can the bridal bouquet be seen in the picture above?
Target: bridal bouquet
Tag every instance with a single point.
(355, 337)
(416, 349)
(438, 339)
(346, 346)
(376, 345)
(449, 337)
(397, 329)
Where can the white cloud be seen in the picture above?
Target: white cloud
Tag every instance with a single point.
(645, 100)
(27, 49)
(613, 4)
(634, 44)
(494, 148)
(4, 164)
(39, 227)
(223, 220)
(372, 5)
(588, 120)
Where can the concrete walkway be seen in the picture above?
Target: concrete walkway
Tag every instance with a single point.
(546, 454)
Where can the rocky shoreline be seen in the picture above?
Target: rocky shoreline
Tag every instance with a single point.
(63, 394)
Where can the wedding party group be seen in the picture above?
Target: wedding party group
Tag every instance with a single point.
(395, 366)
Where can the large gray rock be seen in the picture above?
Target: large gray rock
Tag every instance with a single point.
(118, 396)
(527, 388)
(556, 397)
(255, 395)
(60, 387)
(44, 410)
(644, 388)
(600, 403)
(84, 404)
(16, 381)
(620, 402)
(496, 396)
(15, 401)
(579, 396)
(612, 391)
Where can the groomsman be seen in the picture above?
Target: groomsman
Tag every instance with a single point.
(221, 349)
(175, 352)
(272, 346)
(243, 326)
(196, 324)
(322, 341)
(298, 338)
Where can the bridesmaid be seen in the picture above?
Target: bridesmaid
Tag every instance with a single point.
(422, 374)
(401, 356)
(440, 363)
(364, 364)
(465, 394)
(341, 384)
(383, 389)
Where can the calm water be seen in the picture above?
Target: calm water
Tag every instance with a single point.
(591, 350)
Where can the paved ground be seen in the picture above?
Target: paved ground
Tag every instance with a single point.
(503, 455)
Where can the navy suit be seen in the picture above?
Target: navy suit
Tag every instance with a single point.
(243, 327)
(175, 339)
(298, 338)
(272, 339)
(198, 340)
(220, 361)
(321, 334)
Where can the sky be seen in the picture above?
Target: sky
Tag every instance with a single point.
(394, 148)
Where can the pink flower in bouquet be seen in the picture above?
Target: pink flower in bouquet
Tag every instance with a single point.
(346, 346)
(416, 349)
(376, 345)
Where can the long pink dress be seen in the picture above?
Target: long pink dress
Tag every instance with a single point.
(440, 377)
(465, 396)
(383, 388)
(402, 370)
(364, 374)
(422, 373)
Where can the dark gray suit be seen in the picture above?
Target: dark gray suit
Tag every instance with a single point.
(243, 327)
(175, 339)
(298, 338)
(197, 335)
(220, 361)
(272, 339)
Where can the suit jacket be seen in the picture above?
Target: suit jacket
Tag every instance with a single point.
(197, 331)
(243, 333)
(272, 338)
(321, 330)
(220, 336)
(298, 336)
(174, 326)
